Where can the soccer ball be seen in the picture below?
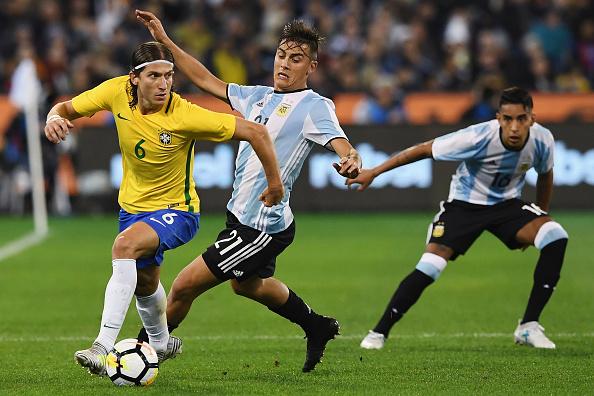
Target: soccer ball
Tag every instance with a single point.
(132, 362)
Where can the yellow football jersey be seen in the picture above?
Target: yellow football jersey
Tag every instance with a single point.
(157, 149)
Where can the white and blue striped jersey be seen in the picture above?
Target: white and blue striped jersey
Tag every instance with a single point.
(489, 172)
(295, 121)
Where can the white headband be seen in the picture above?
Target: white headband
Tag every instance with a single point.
(152, 63)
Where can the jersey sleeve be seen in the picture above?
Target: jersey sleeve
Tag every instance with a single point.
(203, 124)
(457, 146)
(545, 153)
(98, 98)
(239, 96)
(321, 124)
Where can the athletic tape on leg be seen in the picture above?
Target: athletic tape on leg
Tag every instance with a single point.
(549, 232)
(432, 265)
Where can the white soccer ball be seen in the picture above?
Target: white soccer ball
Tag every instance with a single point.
(132, 362)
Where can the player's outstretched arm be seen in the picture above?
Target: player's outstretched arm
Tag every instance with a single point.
(350, 162)
(58, 123)
(257, 136)
(408, 156)
(191, 67)
(544, 190)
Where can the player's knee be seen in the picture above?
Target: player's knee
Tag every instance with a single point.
(431, 265)
(548, 233)
(126, 247)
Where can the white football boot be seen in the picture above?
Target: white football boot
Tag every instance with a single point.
(532, 334)
(93, 359)
(174, 347)
(373, 340)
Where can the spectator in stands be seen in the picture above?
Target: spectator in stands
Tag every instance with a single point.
(383, 106)
(585, 48)
(541, 78)
(555, 39)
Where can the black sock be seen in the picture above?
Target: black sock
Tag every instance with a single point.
(143, 336)
(546, 276)
(296, 311)
(404, 297)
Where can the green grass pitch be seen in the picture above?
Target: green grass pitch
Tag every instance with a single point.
(456, 340)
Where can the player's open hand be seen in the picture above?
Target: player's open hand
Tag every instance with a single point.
(272, 195)
(364, 179)
(57, 129)
(349, 166)
(153, 24)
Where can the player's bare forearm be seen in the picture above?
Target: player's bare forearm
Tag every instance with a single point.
(350, 162)
(264, 149)
(408, 156)
(544, 190)
(257, 136)
(190, 66)
(64, 110)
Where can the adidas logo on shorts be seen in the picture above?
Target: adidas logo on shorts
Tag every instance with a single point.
(237, 273)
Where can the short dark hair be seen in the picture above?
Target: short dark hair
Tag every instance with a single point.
(145, 52)
(300, 33)
(515, 95)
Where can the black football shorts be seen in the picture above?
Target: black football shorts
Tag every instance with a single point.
(458, 224)
(241, 251)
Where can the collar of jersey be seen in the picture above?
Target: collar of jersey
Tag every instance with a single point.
(289, 92)
(511, 149)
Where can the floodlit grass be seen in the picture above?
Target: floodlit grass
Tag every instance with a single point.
(456, 340)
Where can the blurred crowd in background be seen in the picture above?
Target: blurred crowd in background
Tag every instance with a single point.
(391, 47)
(384, 49)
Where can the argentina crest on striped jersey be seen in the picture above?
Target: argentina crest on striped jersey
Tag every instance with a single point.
(295, 121)
(490, 173)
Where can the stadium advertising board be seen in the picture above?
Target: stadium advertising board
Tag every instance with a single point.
(416, 186)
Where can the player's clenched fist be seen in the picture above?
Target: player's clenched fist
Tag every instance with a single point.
(272, 195)
(349, 166)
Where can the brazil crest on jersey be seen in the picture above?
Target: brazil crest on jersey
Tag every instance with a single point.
(295, 121)
(489, 172)
(157, 149)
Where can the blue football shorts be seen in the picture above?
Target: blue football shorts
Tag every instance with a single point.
(174, 228)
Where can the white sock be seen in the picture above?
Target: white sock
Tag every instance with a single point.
(153, 312)
(118, 294)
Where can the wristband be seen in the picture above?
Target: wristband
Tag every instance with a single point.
(53, 117)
